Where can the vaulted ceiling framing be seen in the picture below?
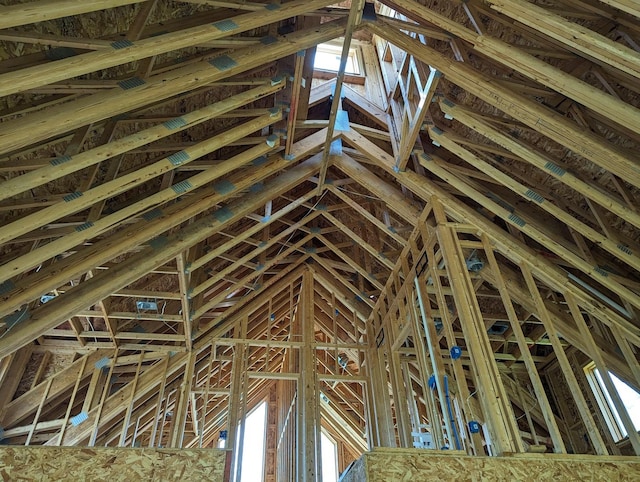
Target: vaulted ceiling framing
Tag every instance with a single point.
(190, 219)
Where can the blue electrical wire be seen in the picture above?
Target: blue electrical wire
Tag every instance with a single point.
(453, 426)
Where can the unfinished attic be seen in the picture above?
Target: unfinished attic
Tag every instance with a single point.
(302, 240)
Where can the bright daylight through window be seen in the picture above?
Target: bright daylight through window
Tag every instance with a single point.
(329, 459)
(328, 58)
(630, 399)
(253, 445)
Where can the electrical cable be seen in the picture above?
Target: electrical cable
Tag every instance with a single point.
(359, 194)
(255, 283)
(451, 419)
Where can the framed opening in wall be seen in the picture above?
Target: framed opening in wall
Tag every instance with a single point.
(629, 396)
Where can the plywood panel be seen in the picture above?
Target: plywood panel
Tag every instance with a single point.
(390, 465)
(110, 464)
(358, 471)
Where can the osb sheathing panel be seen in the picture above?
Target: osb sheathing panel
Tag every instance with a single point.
(110, 464)
(358, 471)
(389, 465)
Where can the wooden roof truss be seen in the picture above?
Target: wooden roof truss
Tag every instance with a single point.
(192, 224)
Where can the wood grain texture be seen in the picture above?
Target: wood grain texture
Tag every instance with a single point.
(98, 464)
(390, 465)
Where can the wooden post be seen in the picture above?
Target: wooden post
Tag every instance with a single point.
(103, 397)
(235, 398)
(72, 399)
(182, 402)
(422, 349)
(379, 394)
(403, 422)
(496, 405)
(538, 388)
(308, 387)
(552, 333)
(15, 365)
(39, 411)
(127, 416)
(161, 396)
(435, 355)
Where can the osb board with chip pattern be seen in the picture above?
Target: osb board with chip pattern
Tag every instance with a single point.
(389, 465)
(357, 471)
(110, 464)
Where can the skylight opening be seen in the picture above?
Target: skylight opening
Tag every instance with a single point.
(328, 58)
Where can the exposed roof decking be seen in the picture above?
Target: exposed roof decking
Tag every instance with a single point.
(177, 162)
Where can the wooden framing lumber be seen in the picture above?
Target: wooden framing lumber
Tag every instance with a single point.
(361, 282)
(54, 312)
(596, 355)
(134, 94)
(625, 5)
(505, 243)
(538, 159)
(529, 65)
(538, 117)
(120, 53)
(80, 200)
(172, 215)
(355, 16)
(56, 170)
(589, 43)
(21, 14)
(607, 241)
(525, 223)
(554, 431)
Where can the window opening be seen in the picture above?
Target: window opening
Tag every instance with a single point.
(329, 450)
(253, 445)
(328, 58)
(629, 396)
